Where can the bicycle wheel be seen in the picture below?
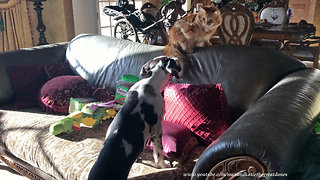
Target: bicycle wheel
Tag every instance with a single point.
(124, 30)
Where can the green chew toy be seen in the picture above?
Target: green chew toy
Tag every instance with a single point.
(90, 115)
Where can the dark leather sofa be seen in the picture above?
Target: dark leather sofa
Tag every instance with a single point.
(273, 100)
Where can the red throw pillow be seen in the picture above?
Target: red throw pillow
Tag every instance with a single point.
(59, 69)
(55, 94)
(101, 94)
(201, 108)
(177, 141)
(26, 81)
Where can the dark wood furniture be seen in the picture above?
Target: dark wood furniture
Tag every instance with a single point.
(237, 25)
(293, 32)
(275, 12)
(299, 39)
(305, 50)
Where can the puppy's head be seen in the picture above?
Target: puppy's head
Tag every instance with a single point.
(147, 67)
(169, 65)
(172, 66)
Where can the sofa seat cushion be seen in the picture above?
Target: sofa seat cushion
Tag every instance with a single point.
(71, 156)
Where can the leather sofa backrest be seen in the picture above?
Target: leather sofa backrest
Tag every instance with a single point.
(47, 54)
(245, 72)
(102, 60)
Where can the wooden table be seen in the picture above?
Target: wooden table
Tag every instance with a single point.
(293, 32)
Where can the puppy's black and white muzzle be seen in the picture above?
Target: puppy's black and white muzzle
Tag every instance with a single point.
(169, 65)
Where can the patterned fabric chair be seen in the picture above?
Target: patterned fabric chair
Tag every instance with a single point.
(275, 12)
(237, 25)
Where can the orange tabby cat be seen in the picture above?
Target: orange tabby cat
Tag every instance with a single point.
(194, 30)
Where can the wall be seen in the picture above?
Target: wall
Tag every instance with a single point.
(302, 9)
(85, 16)
(57, 17)
(316, 20)
(308, 10)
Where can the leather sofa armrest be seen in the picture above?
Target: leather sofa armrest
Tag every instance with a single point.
(270, 135)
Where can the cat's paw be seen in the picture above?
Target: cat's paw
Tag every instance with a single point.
(183, 25)
(188, 50)
(207, 43)
(179, 24)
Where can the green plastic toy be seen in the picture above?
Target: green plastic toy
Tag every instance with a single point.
(317, 128)
(90, 115)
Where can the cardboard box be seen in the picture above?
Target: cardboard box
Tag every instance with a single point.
(76, 104)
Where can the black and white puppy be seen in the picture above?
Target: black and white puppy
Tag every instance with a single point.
(137, 121)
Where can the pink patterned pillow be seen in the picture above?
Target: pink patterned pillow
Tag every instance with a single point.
(177, 141)
(200, 108)
(56, 93)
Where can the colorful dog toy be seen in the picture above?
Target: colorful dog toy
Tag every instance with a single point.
(90, 115)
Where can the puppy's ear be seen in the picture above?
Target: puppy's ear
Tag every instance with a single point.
(145, 71)
(173, 67)
(146, 68)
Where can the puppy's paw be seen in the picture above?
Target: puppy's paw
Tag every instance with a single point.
(162, 165)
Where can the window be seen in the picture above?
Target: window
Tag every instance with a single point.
(105, 22)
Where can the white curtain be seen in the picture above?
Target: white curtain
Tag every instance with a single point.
(17, 32)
